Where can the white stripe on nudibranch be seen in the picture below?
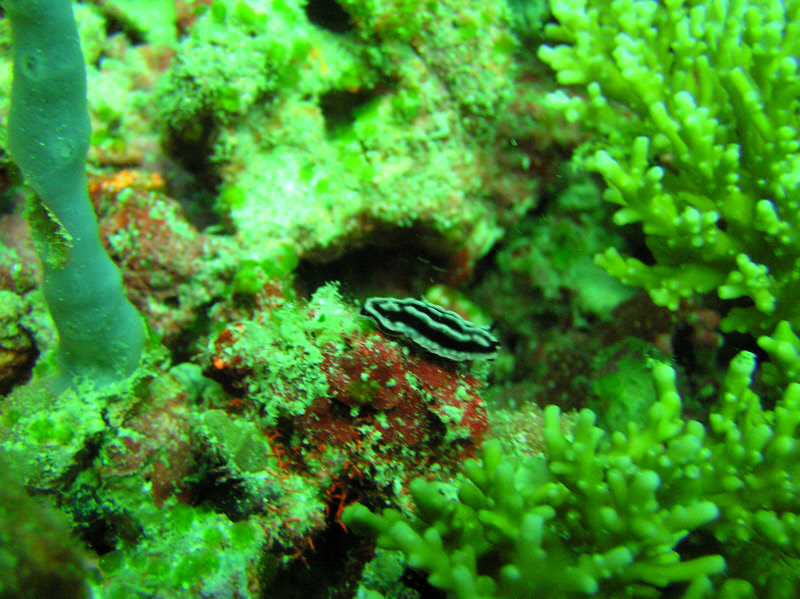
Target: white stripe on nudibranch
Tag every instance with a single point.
(431, 327)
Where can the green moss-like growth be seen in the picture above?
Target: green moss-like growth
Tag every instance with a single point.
(154, 19)
(696, 107)
(329, 141)
(548, 262)
(231, 61)
(187, 550)
(283, 353)
(38, 555)
(667, 503)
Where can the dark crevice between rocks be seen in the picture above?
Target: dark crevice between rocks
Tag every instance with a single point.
(329, 15)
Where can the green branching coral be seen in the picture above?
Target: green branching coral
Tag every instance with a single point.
(697, 103)
(710, 511)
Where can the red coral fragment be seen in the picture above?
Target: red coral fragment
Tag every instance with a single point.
(155, 442)
(163, 259)
(408, 400)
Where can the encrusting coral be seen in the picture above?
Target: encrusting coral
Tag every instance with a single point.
(696, 104)
(331, 136)
(711, 510)
(219, 488)
(695, 110)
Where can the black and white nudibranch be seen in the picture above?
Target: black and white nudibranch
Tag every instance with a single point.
(432, 328)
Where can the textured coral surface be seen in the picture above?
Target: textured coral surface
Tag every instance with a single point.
(609, 186)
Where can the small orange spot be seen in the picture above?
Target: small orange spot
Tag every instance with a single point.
(316, 55)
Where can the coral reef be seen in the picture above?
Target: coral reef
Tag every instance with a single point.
(246, 153)
(669, 502)
(173, 274)
(188, 550)
(341, 400)
(695, 111)
(18, 351)
(331, 136)
(550, 262)
(315, 411)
